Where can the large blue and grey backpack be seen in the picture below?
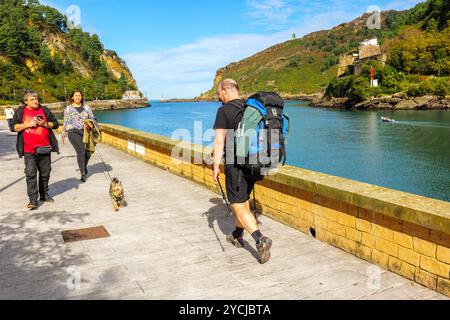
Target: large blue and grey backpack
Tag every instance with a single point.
(261, 135)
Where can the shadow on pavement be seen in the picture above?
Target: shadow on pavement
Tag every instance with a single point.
(226, 224)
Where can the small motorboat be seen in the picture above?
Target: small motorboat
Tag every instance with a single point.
(388, 120)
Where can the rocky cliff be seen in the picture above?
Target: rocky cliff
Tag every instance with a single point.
(40, 51)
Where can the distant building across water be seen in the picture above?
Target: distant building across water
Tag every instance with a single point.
(351, 62)
(131, 95)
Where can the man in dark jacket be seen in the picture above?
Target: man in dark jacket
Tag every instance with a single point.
(35, 142)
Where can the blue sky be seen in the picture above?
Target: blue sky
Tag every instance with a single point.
(174, 47)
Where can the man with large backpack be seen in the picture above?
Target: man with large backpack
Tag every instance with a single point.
(239, 180)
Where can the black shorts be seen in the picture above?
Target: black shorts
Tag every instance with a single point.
(240, 184)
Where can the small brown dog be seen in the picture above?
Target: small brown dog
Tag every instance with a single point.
(117, 194)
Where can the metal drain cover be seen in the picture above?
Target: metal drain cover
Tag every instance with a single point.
(85, 234)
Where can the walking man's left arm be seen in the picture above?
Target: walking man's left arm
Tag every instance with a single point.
(219, 147)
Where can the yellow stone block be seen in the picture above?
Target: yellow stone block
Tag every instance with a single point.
(322, 234)
(435, 267)
(175, 170)
(307, 216)
(426, 279)
(286, 208)
(318, 210)
(274, 205)
(402, 268)
(346, 220)
(306, 205)
(332, 239)
(443, 254)
(443, 286)
(302, 225)
(330, 214)
(268, 193)
(353, 234)
(403, 240)
(198, 180)
(265, 200)
(383, 233)
(259, 190)
(282, 198)
(424, 247)
(368, 240)
(363, 225)
(321, 222)
(380, 258)
(364, 252)
(386, 246)
(295, 212)
(348, 245)
(409, 256)
(336, 228)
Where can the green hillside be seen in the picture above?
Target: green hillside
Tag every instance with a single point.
(418, 64)
(39, 51)
(307, 65)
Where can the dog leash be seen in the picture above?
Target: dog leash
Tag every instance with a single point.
(104, 166)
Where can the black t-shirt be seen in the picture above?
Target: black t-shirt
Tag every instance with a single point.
(228, 117)
(79, 109)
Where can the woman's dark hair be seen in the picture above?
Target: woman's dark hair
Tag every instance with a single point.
(73, 93)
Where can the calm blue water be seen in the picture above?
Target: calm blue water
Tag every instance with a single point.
(411, 156)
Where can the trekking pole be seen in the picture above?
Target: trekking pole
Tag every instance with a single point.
(225, 199)
(255, 210)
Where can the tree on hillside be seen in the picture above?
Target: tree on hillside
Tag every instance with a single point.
(421, 52)
(15, 37)
(90, 46)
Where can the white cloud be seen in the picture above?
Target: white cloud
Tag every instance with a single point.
(188, 70)
(269, 13)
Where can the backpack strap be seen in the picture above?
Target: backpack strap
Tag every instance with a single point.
(241, 111)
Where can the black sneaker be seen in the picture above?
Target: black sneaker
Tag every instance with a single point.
(48, 199)
(33, 205)
(238, 243)
(264, 247)
(83, 178)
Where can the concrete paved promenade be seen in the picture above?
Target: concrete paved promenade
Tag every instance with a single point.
(162, 246)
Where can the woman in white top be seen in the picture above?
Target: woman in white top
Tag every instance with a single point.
(73, 128)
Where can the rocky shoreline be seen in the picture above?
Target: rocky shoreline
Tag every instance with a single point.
(96, 105)
(398, 101)
(310, 98)
(394, 102)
